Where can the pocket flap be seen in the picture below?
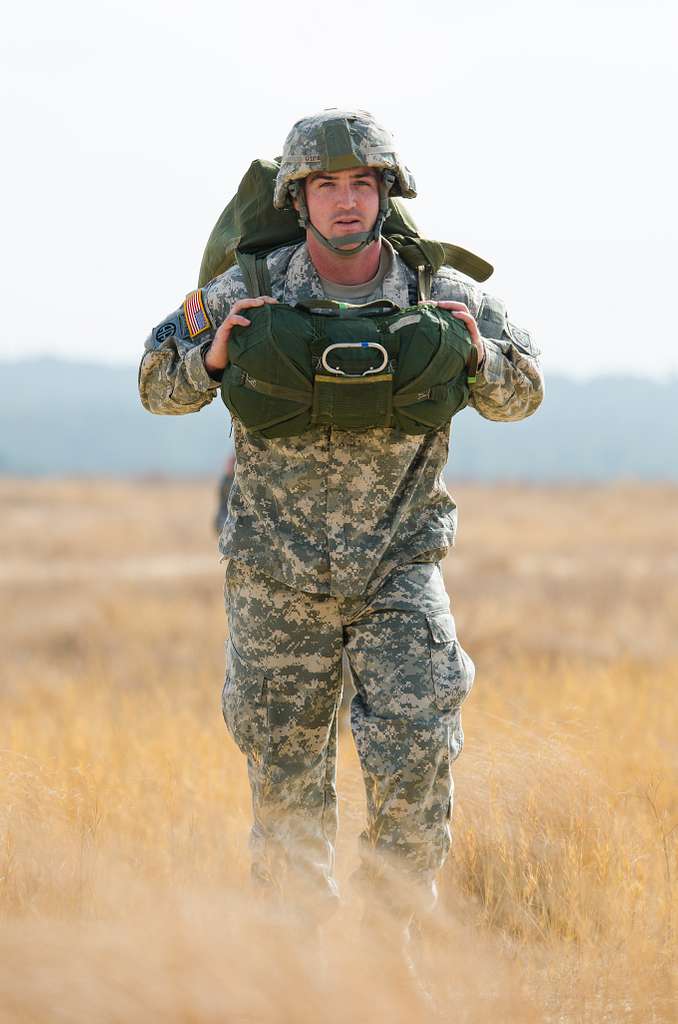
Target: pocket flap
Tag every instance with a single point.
(442, 627)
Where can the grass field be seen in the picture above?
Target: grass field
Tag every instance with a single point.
(124, 806)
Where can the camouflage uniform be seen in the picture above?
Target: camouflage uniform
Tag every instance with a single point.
(223, 494)
(333, 542)
(281, 698)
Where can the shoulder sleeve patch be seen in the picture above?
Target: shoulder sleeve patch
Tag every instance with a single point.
(173, 326)
(166, 330)
(197, 320)
(521, 339)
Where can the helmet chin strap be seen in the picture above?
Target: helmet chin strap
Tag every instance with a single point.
(337, 242)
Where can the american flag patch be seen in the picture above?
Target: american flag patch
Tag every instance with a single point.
(194, 311)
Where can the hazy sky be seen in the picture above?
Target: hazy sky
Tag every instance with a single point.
(541, 135)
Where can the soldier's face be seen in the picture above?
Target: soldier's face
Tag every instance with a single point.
(343, 202)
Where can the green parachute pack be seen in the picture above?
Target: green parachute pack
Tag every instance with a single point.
(326, 363)
(250, 228)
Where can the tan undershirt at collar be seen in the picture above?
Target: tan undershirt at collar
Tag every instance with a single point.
(359, 294)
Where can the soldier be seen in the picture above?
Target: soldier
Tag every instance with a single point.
(334, 541)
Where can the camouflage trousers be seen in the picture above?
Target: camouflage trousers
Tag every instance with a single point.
(281, 700)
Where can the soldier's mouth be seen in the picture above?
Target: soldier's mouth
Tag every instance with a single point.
(347, 222)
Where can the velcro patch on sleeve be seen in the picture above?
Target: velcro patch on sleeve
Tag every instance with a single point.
(197, 320)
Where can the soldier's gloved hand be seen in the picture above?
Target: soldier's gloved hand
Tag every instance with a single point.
(216, 356)
(462, 312)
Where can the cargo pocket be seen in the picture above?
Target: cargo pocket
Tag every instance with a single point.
(451, 668)
(244, 703)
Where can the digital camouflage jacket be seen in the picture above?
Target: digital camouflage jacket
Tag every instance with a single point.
(333, 511)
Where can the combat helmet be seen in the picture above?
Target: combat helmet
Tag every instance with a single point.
(338, 140)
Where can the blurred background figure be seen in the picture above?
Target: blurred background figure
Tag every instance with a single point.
(224, 490)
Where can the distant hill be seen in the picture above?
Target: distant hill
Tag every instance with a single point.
(60, 418)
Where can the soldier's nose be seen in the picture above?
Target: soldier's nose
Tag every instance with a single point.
(346, 198)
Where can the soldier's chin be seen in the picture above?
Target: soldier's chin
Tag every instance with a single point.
(349, 246)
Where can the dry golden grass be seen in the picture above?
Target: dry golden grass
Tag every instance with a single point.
(124, 807)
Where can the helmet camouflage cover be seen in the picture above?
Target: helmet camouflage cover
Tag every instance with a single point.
(337, 140)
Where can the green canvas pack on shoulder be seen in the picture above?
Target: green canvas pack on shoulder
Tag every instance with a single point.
(352, 367)
(250, 227)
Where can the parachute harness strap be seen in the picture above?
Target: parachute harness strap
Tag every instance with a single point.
(424, 282)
